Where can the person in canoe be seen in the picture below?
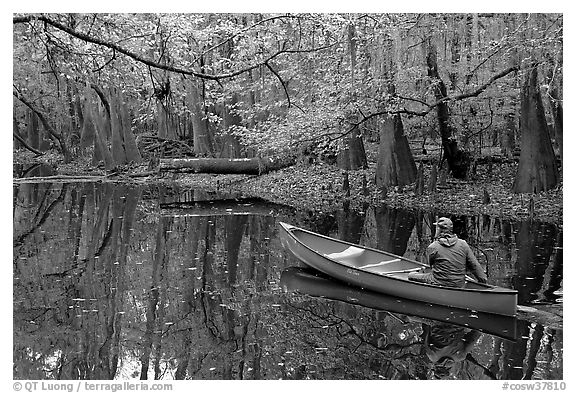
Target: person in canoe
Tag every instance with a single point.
(450, 258)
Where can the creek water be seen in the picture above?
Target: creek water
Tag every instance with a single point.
(117, 281)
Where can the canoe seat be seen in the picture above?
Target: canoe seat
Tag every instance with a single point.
(348, 254)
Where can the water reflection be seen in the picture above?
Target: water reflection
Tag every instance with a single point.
(448, 346)
(310, 282)
(119, 281)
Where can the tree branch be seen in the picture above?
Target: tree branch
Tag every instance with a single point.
(272, 18)
(281, 81)
(55, 135)
(483, 87)
(26, 145)
(102, 97)
(108, 62)
(151, 63)
(430, 107)
(459, 97)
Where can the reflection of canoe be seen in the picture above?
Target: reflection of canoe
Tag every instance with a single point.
(308, 281)
(388, 273)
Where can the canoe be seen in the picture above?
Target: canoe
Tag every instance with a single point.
(387, 273)
(313, 283)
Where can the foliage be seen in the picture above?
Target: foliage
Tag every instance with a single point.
(300, 77)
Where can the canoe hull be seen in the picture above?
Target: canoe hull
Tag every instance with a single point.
(487, 299)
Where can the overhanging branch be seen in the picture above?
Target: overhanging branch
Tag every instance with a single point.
(281, 81)
(55, 135)
(26, 145)
(473, 93)
(247, 29)
(154, 64)
(430, 107)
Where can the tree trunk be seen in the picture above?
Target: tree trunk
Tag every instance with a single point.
(123, 141)
(87, 132)
(537, 169)
(96, 125)
(74, 128)
(16, 133)
(458, 161)
(248, 166)
(118, 151)
(353, 156)
(165, 123)
(395, 165)
(508, 141)
(231, 146)
(32, 129)
(555, 99)
(419, 186)
(455, 53)
(203, 144)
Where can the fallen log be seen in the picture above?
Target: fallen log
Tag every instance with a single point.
(247, 166)
(58, 179)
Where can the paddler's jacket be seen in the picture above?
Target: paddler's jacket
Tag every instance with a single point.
(449, 258)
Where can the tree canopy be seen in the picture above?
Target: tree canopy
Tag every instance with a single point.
(275, 82)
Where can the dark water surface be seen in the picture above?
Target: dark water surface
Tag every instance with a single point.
(122, 282)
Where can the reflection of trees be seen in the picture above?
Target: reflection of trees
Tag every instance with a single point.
(350, 225)
(555, 282)
(111, 290)
(534, 243)
(217, 321)
(316, 328)
(531, 356)
(78, 285)
(45, 207)
(155, 303)
(113, 256)
(394, 228)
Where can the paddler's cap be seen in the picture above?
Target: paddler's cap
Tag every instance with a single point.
(444, 223)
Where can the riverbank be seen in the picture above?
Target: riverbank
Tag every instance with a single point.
(319, 188)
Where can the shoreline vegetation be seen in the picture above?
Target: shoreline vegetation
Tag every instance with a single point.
(321, 188)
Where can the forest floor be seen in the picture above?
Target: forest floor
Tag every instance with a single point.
(318, 188)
